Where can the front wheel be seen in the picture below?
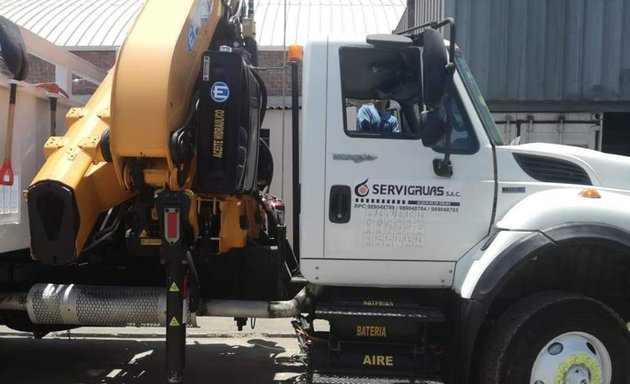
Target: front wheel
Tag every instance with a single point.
(557, 338)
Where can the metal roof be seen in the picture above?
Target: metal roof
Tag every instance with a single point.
(308, 18)
(98, 24)
(103, 24)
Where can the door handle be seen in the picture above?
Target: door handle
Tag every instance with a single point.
(340, 200)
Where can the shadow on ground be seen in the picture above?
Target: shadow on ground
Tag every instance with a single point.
(118, 361)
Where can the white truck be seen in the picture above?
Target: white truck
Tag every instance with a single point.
(435, 252)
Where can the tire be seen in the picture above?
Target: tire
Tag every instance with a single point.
(537, 341)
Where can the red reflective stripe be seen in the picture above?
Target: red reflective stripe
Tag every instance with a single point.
(172, 227)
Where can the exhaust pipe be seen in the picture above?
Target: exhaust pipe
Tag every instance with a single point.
(13, 301)
(69, 304)
(260, 309)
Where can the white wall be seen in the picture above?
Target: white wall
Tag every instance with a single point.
(281, 186)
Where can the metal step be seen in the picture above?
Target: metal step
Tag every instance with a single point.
(319, 378)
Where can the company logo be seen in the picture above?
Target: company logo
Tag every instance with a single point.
(399, 190)
(198, 18)
(191, 36)
(362, 189)
(220, 92)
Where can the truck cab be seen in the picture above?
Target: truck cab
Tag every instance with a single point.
(434, 205)
(381, 212)
(385, 217)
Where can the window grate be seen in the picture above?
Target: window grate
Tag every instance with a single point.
(551, 170)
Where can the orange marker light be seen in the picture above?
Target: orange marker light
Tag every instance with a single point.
(590, 193)
(295, 52)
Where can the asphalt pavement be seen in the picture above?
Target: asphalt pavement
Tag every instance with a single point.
(215, 353)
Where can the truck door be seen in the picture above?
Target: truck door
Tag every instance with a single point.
(383, 198)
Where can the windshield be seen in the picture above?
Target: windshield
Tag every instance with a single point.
(477, 98)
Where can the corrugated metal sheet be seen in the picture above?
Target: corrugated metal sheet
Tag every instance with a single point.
(424, 12)
(280, 103)
(98, 24)
(308, 18)
(546, 54)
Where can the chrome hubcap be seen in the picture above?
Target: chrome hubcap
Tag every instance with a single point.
(572, 358)
(578, 375)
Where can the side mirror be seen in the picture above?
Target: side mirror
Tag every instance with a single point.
(13, 49)
(435, 71)
(432, 126)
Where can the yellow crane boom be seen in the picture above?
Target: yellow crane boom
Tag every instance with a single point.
(128, 120)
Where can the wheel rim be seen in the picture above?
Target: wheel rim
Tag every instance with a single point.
(572, 358)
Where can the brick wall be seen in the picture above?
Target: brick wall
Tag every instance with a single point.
(41, 71)
(102, 59)
(270, 63)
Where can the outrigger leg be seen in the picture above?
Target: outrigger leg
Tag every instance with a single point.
(173, 208)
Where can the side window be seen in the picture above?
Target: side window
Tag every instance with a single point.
(380, 92)
(463, 139)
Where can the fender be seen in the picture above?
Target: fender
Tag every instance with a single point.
(537, 224)
(510, 261)
(528, 226)
(507, 263)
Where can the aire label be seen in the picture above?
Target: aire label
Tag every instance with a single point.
(378, 360)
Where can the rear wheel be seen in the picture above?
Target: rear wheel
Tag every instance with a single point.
(557, 338)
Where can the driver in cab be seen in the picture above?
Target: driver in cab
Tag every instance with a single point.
(372, 117)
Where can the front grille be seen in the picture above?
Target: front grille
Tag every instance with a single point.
(551, 170)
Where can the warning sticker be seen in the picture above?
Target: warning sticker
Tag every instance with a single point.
(174, 322)
(173, 288)
(151, 242)
(395, 214)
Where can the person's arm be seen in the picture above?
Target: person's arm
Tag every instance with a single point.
(364, 118)
(394, 123)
